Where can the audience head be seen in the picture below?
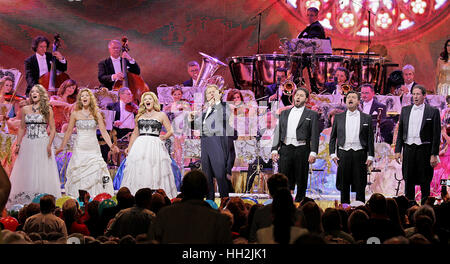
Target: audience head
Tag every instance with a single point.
(331, 220)
(47, 204)
(377, 204)
(143, 198)
(158, 202)
(277, 181)
(194, 185)
(313, 217)
(357, 224)
(32, 209)
(283, 213)
(124, 198)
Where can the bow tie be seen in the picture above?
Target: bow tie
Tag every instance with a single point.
(420, 107)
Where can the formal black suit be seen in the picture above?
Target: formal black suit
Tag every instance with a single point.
(32, 69)
(315, 30)
(352, 170)
(416, 167)
(189, 82)
(293, 160)
(106, 70)
(217, 148)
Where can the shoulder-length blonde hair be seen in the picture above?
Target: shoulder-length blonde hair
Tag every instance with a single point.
(93, 107)
(44, 105)
(156, 105)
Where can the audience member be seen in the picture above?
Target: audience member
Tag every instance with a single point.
(394, 215)
(332, 226)
(71, 214)
(135, 220)
(206, 225)
(282, 231)
(124, 200)
(45, 221)
(93, 219)
(357, 225)
(263, 216)
(379, 224)
(313, 217)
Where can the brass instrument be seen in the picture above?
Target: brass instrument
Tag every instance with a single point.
(288, 87)
(206, 75)
(346, 88)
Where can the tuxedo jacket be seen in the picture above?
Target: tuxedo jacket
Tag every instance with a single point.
(32, 69)
(307, 129)
(430, 130)
(189, 82)
(366, 135)
(106, 70)
(315, 30)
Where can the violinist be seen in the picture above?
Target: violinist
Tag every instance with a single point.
(63, 103)
(38, 64)
(125, 112)
(110, 69)
(8, 97)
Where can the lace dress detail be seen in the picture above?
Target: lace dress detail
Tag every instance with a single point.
(36, 126)
(149, 127)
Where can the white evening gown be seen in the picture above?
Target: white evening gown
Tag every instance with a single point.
(34, 172)
(148, 162)
(87, 170)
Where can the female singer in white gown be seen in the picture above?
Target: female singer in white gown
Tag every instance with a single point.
(35, 169)
(148, 162)
(87, 170)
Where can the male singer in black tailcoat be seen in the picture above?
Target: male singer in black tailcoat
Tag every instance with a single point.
(419, 133)
(217, 148)
(296, 142)
(352, 148)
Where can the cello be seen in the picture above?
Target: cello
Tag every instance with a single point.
(131, 80)
(51, 80)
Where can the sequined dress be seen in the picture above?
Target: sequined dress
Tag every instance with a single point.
(148, 163)
(87, 170)
(34, 172)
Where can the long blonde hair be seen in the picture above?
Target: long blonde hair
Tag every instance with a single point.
(44, 105)
(93, 107)
(156, 105)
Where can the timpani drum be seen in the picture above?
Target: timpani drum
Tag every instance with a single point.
(242, 71)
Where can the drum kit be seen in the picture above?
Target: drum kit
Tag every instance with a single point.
(308, 69)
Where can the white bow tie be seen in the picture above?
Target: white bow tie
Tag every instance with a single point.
(420, 107)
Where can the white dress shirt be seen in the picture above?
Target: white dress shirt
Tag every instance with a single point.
(414, 124)
(126, 117)
(409, 86)
(118, 66)
(42, 62)
(366, 107)
(291, 130)
(352, 125)
(208, 111)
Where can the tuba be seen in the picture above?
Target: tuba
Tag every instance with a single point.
(206, 74)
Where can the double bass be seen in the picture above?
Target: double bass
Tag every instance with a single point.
(51, 80)
(131, 80)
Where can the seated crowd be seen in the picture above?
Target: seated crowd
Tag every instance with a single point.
(150, 217)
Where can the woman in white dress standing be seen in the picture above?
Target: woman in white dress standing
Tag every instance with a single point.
(87, 170)
(148, 161)
(35, 171)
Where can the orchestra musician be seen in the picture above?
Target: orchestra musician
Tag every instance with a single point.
(408, 72)
(193, 68)
(63, 103)
(38, 64)
(340, 85)
(315, 29)
(125, 112)
(110, 69)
